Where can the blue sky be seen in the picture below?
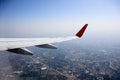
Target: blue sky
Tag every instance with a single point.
(33, 18)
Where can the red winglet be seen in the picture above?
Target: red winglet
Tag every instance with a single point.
(80, 33)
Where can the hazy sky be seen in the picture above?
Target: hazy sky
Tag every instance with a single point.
(31, 18)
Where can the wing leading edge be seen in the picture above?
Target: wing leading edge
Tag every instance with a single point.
(17, 45)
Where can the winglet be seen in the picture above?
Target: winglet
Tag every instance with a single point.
(80, 33)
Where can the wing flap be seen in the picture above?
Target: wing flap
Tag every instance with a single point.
(23, 51)
(49, 46)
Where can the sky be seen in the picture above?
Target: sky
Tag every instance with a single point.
(51, 18)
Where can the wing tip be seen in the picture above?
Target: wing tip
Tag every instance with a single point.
(82, 30)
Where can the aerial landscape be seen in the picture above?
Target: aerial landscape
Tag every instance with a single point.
(94, 56)
(66, 63)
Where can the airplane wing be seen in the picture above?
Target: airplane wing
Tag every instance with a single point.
(17, 45)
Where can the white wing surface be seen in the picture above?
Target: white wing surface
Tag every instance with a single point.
(17, 45)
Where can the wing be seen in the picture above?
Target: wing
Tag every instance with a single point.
(17, 45)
